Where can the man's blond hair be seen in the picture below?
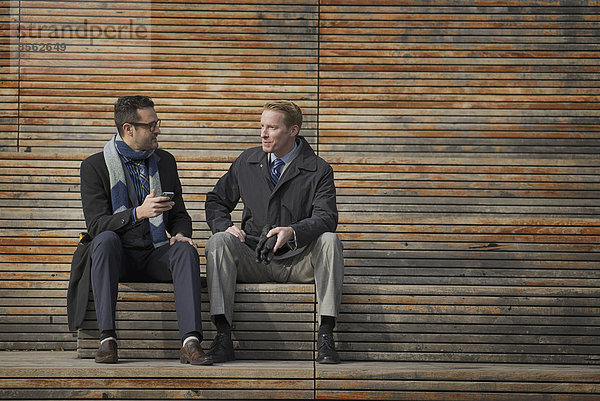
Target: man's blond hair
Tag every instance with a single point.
(291, 111)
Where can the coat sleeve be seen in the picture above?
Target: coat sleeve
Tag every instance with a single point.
(95, 197)
(221, 201)
(324, 216)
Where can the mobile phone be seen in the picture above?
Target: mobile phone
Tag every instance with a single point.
(168, 195)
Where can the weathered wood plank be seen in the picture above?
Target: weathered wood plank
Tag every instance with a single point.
(22, 375)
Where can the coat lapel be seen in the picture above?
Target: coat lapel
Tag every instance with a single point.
(305, 160)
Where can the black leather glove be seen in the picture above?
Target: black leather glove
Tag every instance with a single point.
(261, 242)
(264, 249)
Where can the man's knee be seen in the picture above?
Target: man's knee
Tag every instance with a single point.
(329, 253)
(106, 241)
(220, 240)
(183, 248)
(330, 240)
(183, 251)
(106, 255)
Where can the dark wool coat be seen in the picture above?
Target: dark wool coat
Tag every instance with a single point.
(99, 217)
(304, 197)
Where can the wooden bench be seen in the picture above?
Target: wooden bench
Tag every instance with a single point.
(469, 259)
(486, 271)
(40, 195)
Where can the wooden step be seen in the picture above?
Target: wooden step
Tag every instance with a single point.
(61, 375)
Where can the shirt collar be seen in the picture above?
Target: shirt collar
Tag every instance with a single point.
(287, 157)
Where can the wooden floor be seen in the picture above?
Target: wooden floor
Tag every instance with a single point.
(61, 375)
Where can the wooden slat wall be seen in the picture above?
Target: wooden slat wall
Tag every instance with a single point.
(40, 222)
(459, 78)
(464, 136)
(502, 251)
(465, 141)
(9, 79)
(209, 67)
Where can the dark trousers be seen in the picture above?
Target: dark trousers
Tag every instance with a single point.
(111, 263)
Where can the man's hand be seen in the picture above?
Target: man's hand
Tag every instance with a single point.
(284, 235)
(153, 206)
(237, 232)
(272, 239)
(181, 238)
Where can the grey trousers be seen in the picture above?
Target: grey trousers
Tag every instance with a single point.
(228, 261)
(179, 263)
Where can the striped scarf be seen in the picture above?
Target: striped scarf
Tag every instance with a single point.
(115, 152)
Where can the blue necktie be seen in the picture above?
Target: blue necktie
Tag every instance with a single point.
(144, 180)
(276, 168)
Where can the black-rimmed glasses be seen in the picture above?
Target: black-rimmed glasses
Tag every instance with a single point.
(151, 125)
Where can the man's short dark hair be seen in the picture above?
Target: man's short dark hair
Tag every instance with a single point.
(126, 108)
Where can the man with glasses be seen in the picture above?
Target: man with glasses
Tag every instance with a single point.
(132, 197)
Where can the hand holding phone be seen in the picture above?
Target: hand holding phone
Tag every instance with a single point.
(168, 195)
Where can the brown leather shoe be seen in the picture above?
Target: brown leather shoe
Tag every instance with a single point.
(192, 353)
(107, 352)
